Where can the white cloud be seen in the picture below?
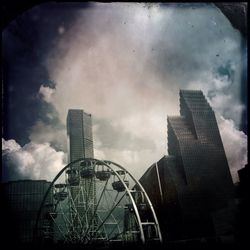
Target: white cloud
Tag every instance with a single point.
(46, 93)
(33, 160)
(222, 103)
(125, 63)
(235, 145)
(9, 146)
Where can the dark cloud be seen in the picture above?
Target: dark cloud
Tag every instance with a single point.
(53, 133)
(125, 64)
(26, 42)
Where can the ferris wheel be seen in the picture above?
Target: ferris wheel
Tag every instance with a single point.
(96, 202)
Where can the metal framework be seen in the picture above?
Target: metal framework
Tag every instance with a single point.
(96, 202)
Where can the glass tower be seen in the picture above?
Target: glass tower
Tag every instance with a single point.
(80, 145)
(79, 131)
(192, 186)
(194, 139)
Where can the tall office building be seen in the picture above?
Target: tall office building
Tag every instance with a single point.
(22, 200)
(196, 173)
(79, 131)
(80, 145)
(194, 139)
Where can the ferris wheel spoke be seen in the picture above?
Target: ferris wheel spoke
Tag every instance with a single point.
(94, 213)
(86, 213)
(116, 227)
(110, 213)
(109, 196)
(85, 203)
(65, 219)
(76, 215)
(117, 194)
(106, 201)
(77, 194)
(128, 229)
(133, 227)
(87, 209)
(67, 230)
(115, 222)
(90, 189)
(103, 228)
(58, 227)
(83, 217)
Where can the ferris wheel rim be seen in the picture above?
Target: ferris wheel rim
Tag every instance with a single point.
(106, 163)
(147, 198)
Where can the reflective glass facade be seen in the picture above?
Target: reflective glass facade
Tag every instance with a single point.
(194, 139)
(195, 177)
(80, 145)
(79, 131)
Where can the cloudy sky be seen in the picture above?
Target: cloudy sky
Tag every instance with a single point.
(124, 63)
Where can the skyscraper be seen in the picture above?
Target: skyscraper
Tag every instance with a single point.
(80, 145)
(195, 176)
(79, 131)
(194, 139)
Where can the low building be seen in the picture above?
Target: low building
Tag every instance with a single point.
(159, 181)
(243, 206)
(22, 200)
